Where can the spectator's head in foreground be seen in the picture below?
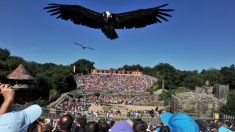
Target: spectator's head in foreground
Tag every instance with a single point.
(21, 120)
(140, 126)
(82, 121)
(66, 122)
(92, 126)
(179, 122)
(103, 126)
(121, 126)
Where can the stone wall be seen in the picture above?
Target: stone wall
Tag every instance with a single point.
(194, 102)
(220, 91)
(204, 89)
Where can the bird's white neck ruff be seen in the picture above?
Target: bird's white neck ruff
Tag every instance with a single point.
(108, 14)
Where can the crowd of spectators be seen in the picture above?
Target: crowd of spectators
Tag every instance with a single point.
(179, 122)
(72, 106)
(101, 100)
(81, 105)
(116, 82)
(30, 120)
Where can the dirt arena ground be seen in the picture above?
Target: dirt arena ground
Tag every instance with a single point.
(122, 107)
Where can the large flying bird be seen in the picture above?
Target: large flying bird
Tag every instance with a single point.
(107, 21)
(84, 47)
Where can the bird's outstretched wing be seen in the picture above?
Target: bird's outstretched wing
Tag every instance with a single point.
(142, 17)
(90, 48)
(84, 47)
(80, 45)
(77, 14)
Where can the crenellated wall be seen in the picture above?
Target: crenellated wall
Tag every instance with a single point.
(122, 72)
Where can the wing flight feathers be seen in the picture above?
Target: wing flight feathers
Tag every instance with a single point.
(142, 17)
(77, 14)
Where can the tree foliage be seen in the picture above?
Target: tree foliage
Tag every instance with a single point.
(59, 78)
(166, 74)
(214, 76)
(153, 88)
(4, 54)
(83, 66)
(132, 67)
(229, 107)
(165, 96)
(228, 74)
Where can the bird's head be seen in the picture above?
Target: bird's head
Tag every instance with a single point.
(106, 16)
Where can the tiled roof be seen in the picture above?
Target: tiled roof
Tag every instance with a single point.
(20, 73)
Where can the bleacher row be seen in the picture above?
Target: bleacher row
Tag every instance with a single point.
(116, 83)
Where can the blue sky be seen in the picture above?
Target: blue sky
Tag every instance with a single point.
(200, 35)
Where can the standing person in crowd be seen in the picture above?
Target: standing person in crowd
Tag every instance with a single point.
(140, 126)
(16, 121)
(36, 126)
(92, 126)
(81, 124)
(65, 124)
(103, 126)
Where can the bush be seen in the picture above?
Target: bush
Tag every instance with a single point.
(97, 94)
(189, 110)
(165, 96)
(78, 95)
(152, 89)
(42, 102)
(53, 93)
(181, 90)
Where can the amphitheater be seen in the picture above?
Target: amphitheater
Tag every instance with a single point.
(115, 81)
(122, 90)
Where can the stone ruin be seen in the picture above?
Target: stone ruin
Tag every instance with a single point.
(204, 89)
(220, 91)
(205, 99)
(193, 102)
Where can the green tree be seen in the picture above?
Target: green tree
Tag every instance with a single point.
(97, 94)
(166, 75)
(229, 107)
(149, 71)
(229, 76)
(14, 61)
(153, 88)
(83, 66)
(165, 96)
(191, 79)
(4, 54)
(65, 83)
(43, 86)
(212, 75)
(132, 67)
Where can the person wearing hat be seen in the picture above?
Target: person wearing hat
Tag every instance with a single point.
(179, 122)
(121, 126)
(18, 121)
(224, 129)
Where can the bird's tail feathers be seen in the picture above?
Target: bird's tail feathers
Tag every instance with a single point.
(109, 32)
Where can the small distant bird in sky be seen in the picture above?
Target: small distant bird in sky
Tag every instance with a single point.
(84, 47)
(107, 21)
